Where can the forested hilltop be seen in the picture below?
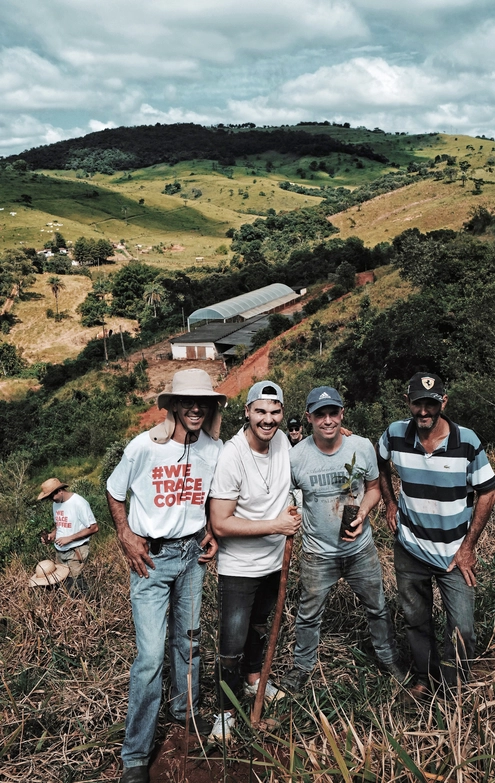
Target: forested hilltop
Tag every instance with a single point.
(124, 148)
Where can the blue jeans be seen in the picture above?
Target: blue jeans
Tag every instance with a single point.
(363, 573)
(176, 582)
(244, 606)
(414, 583)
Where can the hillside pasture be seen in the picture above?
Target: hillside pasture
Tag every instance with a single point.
(43, 339)
(173, 230)
(427, 205)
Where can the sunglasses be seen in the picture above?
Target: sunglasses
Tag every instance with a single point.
(190, 402)
(294, 429)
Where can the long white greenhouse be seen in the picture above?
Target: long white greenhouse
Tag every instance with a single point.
(270, 298)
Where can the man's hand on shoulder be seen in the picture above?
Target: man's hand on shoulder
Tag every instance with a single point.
(136, 552)
(465, 560)
(210, 546)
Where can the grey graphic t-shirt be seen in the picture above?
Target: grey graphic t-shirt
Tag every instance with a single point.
(320, 477)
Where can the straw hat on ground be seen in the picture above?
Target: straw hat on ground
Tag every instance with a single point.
(48, 573)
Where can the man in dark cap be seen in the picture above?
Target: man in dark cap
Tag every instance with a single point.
(441, 466)
(294, 430)
(320, 470)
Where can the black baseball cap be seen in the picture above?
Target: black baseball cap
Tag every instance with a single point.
(425, 385)
(294, 421)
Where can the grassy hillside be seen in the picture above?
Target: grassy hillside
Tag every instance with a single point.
(43, 339)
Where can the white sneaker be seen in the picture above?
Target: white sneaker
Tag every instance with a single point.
(222, 728)
(272, 693)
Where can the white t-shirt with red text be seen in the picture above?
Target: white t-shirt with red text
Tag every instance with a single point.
(168, 483)
(70, 517)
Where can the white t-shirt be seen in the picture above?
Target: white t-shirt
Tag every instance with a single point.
(244, 475)
(70, 517)
(169, 484)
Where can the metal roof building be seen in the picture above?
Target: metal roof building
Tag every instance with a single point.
(240, 308)
(216, 340)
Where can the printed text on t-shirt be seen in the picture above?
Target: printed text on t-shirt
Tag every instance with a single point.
(61, 520)
(174, 485)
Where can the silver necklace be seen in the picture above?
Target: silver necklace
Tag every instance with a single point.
(268, 479)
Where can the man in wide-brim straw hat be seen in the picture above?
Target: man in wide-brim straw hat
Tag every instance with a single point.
(166, 541)
(74, 524)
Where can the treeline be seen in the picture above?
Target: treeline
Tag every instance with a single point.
(117, 149)
(445, 327)
(293, 249)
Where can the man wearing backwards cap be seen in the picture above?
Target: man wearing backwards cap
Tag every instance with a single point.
(166, 541)
(251, 517)
(441, 465)
(74, 524)
(319, 470)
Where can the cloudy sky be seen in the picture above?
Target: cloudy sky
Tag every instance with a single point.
(69, 67)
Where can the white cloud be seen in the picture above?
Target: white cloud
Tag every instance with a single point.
(96, 125)
(374, 62)
(26, 131)
(148, 115)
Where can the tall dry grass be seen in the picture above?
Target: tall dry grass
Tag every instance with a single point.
(65, 665)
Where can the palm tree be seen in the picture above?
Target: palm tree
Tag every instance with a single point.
(153, 295)
(56, 286)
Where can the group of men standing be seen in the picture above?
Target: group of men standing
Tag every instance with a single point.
(187, 493)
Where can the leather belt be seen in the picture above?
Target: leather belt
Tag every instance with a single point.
(155, 544)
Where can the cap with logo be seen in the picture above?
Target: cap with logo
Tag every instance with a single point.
(322, 396)
(294, 421)
(265, 390)
(425, 385)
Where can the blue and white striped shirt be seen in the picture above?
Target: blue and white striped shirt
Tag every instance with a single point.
(437, 490)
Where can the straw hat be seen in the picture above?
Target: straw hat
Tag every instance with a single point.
(189, 383)
(49, 486)
(47, 573)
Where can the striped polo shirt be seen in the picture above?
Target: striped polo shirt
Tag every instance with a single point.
(437, 490)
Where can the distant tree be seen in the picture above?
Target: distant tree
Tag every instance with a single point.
(56, 285)
(153, 295)
(345, 275)
(480, 219)
(10, 361)
(319, 332)
(16, 268)
(91, 251)
(451, 173)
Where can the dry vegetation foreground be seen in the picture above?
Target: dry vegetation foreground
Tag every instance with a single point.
(65, 666)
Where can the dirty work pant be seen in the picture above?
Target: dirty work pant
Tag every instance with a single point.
(363, 573)
(415, 587)
(74, 558)
(176, 582)
(244, 606)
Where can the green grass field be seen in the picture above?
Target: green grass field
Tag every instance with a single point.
(192, 223)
